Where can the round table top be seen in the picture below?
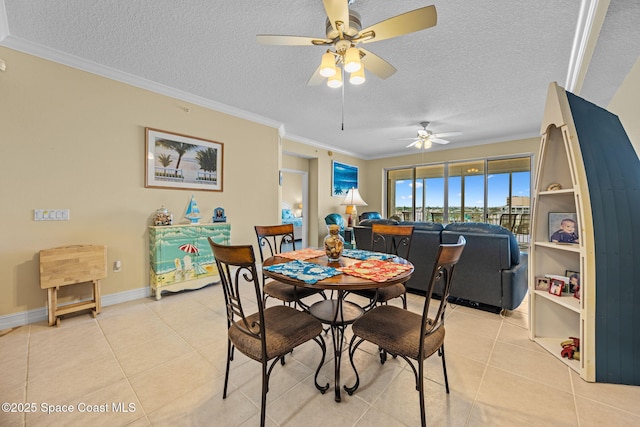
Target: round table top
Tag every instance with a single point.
(344, 282)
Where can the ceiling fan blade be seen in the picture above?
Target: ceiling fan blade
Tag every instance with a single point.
(438, 140)
(413, 143)
(446, 134)
(275, 40)
(316, 78)
(337, 10)
(406, 23)
(377, 65)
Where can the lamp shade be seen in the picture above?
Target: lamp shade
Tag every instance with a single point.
(352, 60)
(335, 81)
(357, 77)
(353, 198)
(328, 65)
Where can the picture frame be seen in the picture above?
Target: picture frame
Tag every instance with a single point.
(563, 228)
(574, 280)
(542, 284)
(555, 287)
(182, 162)
(343, 178)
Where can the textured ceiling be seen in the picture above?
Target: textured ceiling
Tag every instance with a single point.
(483, 70)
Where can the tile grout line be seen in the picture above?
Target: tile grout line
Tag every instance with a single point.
(124, 374)
(484, 373)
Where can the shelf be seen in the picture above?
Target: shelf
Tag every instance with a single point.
(552, 345)
(569, 247)
(567, 301)
(554, 192)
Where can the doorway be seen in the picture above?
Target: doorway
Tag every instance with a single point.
(295, 194)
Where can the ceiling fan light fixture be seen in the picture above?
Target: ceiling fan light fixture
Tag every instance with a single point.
(352, 60)
(335, 81)
(357, 77)
(426, 144)
(328, 65)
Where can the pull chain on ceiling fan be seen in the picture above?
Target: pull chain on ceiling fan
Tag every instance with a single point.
(344, 34)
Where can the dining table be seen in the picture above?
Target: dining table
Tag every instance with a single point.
(354, 270)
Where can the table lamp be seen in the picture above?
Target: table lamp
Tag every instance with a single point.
(352, 200)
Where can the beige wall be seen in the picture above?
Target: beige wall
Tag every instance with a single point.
(321, 202)
(73, 140)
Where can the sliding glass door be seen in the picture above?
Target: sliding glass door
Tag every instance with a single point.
(486, 190)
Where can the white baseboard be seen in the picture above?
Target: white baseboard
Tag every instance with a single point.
(40, 314)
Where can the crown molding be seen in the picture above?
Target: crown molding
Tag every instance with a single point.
(590, 20)
(40, 51)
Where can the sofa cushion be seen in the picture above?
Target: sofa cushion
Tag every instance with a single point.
(481, 227)
(428, 226)
(369, 222)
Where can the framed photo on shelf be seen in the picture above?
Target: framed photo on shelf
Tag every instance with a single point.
(542, 284)
(343, 178)
(574, 280)
(182, 162)
(555, 287)
(563, 228)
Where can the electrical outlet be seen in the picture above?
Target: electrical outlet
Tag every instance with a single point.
(117, 266)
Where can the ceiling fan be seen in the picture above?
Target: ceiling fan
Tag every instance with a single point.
(344, 34)
(425, 137)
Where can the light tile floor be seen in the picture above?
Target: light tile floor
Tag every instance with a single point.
(162, 363)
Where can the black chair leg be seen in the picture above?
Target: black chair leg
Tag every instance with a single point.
(444, 367)
(226, 374)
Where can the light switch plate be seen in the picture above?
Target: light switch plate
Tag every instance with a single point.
(51, 215)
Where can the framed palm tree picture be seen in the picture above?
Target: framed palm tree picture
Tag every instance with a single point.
(182, 162)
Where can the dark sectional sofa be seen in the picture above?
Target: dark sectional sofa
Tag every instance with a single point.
(491, 273)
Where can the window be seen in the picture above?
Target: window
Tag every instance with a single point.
(496, 191)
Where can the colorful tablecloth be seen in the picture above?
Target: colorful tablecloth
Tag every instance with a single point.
(364, 255)
(307, 272)
(376, 270)
(303, 254)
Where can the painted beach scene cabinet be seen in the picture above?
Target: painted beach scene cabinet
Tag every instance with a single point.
(180, 256)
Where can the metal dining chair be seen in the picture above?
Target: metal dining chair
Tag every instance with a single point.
(390, 239)
(271, 241)
(410, 335)
(267, 335)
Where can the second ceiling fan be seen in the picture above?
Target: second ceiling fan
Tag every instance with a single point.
(344, 34)
(425, 138)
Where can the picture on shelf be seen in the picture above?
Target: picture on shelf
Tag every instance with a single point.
(576, 293)
(574, 280)
(555, 287)
(542, 284)
(563, 227)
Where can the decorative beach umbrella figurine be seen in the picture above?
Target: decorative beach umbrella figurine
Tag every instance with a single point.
(193, 213)
(189, 248)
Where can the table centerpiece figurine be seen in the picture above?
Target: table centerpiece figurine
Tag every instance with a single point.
(333, 243)
(193, 213)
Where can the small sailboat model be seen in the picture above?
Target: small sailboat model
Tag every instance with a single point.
(193, 213)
